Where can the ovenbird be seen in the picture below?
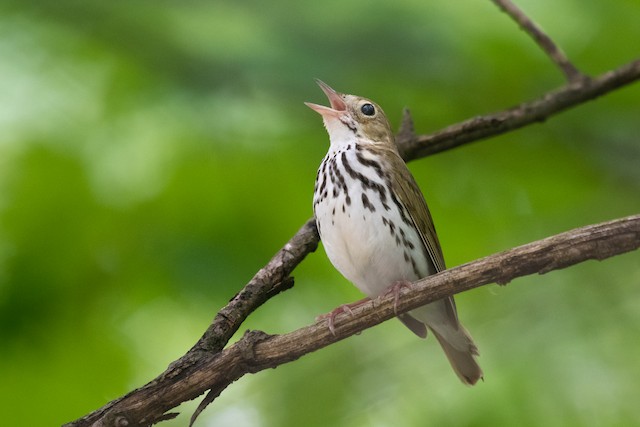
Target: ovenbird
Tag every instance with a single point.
(374, 222)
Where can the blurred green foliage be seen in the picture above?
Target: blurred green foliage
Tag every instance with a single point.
(155, 154)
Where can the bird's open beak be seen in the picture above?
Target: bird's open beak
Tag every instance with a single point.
(335, 99)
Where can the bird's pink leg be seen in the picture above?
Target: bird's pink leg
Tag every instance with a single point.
(345, 308)
(395, 289)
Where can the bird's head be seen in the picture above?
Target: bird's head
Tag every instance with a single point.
(352, 118)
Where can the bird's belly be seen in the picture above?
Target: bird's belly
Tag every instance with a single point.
(372, 248)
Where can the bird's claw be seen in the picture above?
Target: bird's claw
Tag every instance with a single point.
(345, 308)
(395, 289)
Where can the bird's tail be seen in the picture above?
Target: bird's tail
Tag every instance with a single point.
(441, 318)
(461, 351)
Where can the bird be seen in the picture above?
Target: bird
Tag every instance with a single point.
(374, 223)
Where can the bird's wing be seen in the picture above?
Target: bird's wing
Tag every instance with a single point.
(407, 191)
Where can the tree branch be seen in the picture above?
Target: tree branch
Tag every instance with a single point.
(538, 110)
(272, 279)
(257, 351)
(544, 41)
(208, 366)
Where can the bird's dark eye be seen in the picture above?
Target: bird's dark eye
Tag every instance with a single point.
(368, 109)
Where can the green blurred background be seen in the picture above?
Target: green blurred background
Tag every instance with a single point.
(155, 154)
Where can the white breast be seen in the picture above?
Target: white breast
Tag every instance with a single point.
(360, 225)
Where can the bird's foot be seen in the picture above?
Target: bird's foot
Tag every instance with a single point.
(345, 308)
(396, 289)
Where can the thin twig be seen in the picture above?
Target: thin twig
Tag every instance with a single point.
(257, 351)
(543, 40)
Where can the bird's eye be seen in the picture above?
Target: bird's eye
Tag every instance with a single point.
(368, 109)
